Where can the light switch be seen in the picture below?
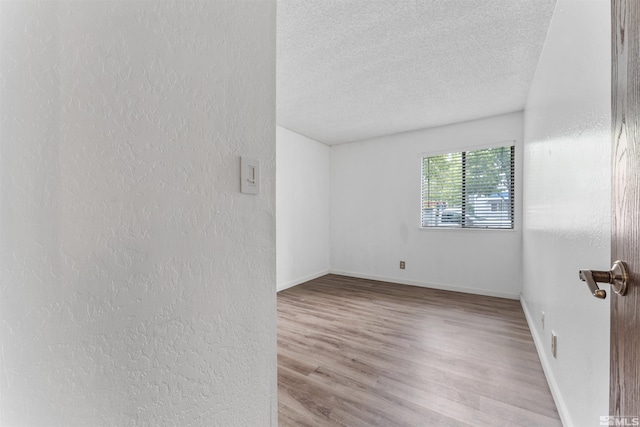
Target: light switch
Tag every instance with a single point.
(249, 175)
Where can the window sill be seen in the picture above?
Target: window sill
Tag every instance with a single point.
(459, 229)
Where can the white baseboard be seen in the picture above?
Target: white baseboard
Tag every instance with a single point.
(429, 285)
(546, 367)
(296, 282)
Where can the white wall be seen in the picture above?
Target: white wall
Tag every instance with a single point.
(302, 199)
(375, 214)
(137, 282)
(567, 206)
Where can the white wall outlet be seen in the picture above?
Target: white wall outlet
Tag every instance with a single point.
(554, 345)
(402, 265)
(249, 175)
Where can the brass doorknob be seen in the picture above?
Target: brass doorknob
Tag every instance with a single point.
(618, 277)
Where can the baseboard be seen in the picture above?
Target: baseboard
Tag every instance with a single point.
(296, 282)
(546, 367)
(401, 281)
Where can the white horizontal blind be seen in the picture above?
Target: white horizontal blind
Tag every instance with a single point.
(469, 189)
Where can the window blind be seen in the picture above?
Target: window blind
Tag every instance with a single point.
(469, 189)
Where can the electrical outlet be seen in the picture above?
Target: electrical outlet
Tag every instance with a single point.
(554, 345)
(542, 319)
(402, 265)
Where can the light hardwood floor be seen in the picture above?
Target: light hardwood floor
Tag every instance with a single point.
(355, 352)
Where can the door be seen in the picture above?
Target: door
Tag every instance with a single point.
(624, 395)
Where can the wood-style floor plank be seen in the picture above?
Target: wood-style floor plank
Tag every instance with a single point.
(356, 352)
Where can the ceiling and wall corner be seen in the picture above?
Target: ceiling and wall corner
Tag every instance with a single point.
(357, 69)
(362, 71)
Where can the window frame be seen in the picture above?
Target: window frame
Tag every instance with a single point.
(513, 193)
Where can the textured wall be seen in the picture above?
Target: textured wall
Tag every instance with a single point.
(375, 214)
(302, 221)
(567, 206)
(138, 284)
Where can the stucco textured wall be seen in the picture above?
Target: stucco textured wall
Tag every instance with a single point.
(567, 206)
(138, 283)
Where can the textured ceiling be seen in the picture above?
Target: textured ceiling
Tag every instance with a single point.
(355, 69)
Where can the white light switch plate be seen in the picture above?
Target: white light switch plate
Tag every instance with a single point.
(249, 175)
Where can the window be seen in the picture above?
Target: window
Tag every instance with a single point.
(469, 189)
